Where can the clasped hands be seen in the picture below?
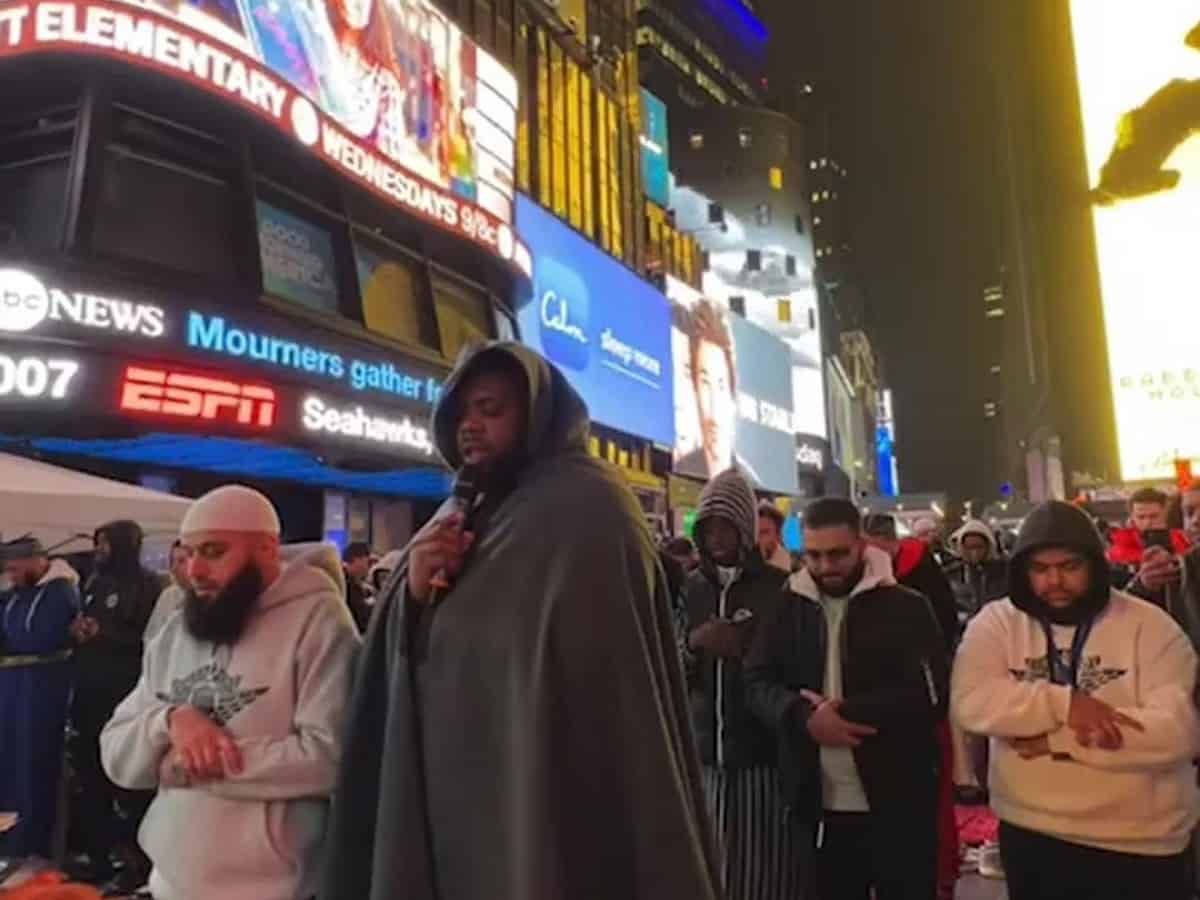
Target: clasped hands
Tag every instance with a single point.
(1095, 723)
(200, 751)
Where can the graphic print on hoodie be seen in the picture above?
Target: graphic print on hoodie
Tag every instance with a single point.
(280, 692)
(1139, 799)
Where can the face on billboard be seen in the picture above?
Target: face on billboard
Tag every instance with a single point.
(715, 402)
(733, 388)
(396, 74)
(1140, 94)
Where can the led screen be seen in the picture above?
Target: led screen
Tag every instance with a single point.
(608, 330)
(1139, 78)
(733, 394)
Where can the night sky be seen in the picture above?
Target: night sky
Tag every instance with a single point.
(915, 121)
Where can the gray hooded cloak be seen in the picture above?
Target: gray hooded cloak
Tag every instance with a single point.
(538, 746)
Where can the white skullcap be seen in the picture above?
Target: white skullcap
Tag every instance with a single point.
(231, 507)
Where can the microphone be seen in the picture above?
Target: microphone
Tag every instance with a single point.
(465, 496)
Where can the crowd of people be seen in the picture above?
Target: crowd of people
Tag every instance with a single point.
(535, 699)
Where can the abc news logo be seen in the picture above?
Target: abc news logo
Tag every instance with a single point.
(202, 399)
(25, 302)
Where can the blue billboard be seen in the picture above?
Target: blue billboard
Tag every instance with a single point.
(606, 329)
(656, 150)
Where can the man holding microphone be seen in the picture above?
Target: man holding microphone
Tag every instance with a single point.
(517, 726)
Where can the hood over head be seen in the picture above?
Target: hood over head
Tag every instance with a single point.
(306, 569)
(558, 417)
(974, 526)
(125, 539)
(728, 496)
(1055, 524)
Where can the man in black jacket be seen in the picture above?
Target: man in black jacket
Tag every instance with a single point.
(915, 566)
(118, 600)
(356, 564)
(852, 678)
(724, 600)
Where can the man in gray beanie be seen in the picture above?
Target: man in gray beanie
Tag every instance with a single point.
(725, 599)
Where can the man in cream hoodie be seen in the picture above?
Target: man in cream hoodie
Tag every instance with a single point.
(1087, 696)
(236, 719)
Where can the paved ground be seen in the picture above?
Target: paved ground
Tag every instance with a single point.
(972, 887)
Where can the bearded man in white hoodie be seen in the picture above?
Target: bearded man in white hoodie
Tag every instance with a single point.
(1087, 696)
(237, 717)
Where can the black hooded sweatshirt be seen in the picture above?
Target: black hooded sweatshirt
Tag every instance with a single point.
(1059, 525)
(531, 739)
(120, 596)
(729, 735)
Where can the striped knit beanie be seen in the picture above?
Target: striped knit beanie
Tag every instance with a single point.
(729, 496)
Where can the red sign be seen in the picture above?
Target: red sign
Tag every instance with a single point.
(183, 395)
(1183, 473)
(145, 38)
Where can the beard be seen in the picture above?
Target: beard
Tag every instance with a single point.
(223, 618)
(840, 585)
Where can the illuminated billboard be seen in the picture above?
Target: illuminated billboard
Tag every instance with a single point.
(1139, 80)
(656, 150)
(732, 394)
(388, 92)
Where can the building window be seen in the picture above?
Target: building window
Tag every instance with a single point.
(816, 197)
(558, 125)
(775, 176)
(696, 140)
(392, 287)
(297, 259)
(586, 149)
(996, 312)
(35, 149)
(168, 197)
(543, 118)
(762, 215)
(743, 137)
(463, 315)
(576, 171)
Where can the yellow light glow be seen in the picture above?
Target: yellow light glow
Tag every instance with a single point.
(1148, 246)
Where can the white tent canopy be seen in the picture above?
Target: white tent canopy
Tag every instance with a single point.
(55, 504)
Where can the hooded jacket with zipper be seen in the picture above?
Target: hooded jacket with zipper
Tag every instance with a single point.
(526, 736)
(280, 691)
(35, 684)
(121, 597)
(1141, 799)
(976, 584)
(894, 678)
(729, 736)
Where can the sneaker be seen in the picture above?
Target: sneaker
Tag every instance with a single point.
(970, 861)
(990, 865)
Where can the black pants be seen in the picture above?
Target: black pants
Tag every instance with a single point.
(1039, 867)
(896, 855)
(100, 828)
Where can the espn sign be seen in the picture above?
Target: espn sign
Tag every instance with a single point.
(170, 392)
